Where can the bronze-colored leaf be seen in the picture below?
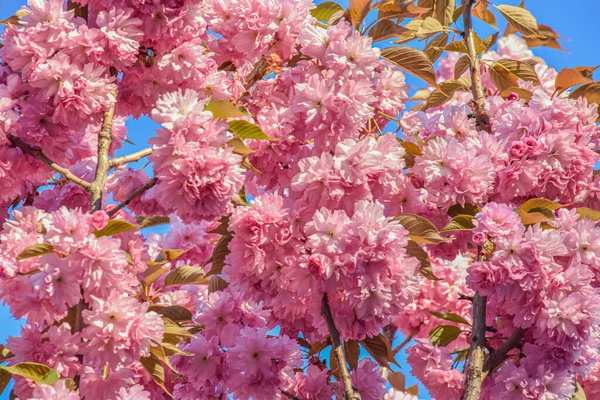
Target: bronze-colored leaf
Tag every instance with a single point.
(186, 275)
(397, 380)
(592, 215)
(351, 352)
(35, 250)
(386, 29)
(114, 227)
(489, 41)
(461, 66)
(420, 229)
(39, 373)
(540, 215)
(379, 348)
(434, 48)
(175, 313)
(426, 270)
(147, 222)
(540, 202)
(458, 13)
(446, 90)
(430, 26)
(412, 61)
(156, 370)
(444, 10)
(483, 13)
(239, 147)
(467, 209)
(358, 11)
(216, 284)
(220, 251)
(521, 69)
(591, 91)
(458, 46)
(501, 77)
(547, 37)
(519, 18)
(450, 317)
(522, 93)
(461, 222)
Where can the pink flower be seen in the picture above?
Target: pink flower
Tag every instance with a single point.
(99, 219)
(58, 391)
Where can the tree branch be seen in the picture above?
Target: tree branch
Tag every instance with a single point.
(476, 354)
(498, 356)
(39, 154)
(132, 196)
(104, 140)
(290, 395)
(338, 351)
(482, 120)
(138, 155)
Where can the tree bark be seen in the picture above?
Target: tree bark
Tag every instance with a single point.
(476, 354)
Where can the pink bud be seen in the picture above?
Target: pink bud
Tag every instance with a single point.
(417, 181)
(479, 238)
(512, 96)
(518, 150)
(98, 219)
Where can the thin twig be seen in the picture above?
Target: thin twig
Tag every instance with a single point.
(501, 353)
(290, 395)
(132, 196)
(338, 351)
(407, 339)
(138, 155)
(39, 154)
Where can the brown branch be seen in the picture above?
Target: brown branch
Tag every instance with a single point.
(39, 154)
(407, 339)
(138, 155)
(104, 140)
(338, 351)
(290, 395)
(476, 354)
(498, 356)
(482, 120)
(132, 196)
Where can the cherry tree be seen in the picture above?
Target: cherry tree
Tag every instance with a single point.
(302, 228)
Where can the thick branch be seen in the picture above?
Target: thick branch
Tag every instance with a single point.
(501, 353)
(481, 118)
(138, 155)
(104, 140)
(132, 196)
(476, 355)
(37, 153)
(338, 351)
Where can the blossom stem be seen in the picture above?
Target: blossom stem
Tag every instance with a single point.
(349, 392)
(499, 355)
(104, 140)
(39, 154)
(138, 155)
(481, 117)
(132, 196)
(290, 395)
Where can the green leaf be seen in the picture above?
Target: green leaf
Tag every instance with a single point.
(218, 257)
(444, 335)
(461, 222)
(326, 10)
(412, 61)
(416, 251)
(239, 147)
(420, 229)
(5, 353)
(222, 109)
(174, 313)
(159, 352)
(39, 373)
(379, 348)
(171, 349)
(114, 227)
(166, 256)
(186, 275)
(247, 130)
(35, 251)
(579, 393)
(519, 18)
(156, 370)
(450, 317)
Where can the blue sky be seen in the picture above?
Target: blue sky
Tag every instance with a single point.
(576, 21)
